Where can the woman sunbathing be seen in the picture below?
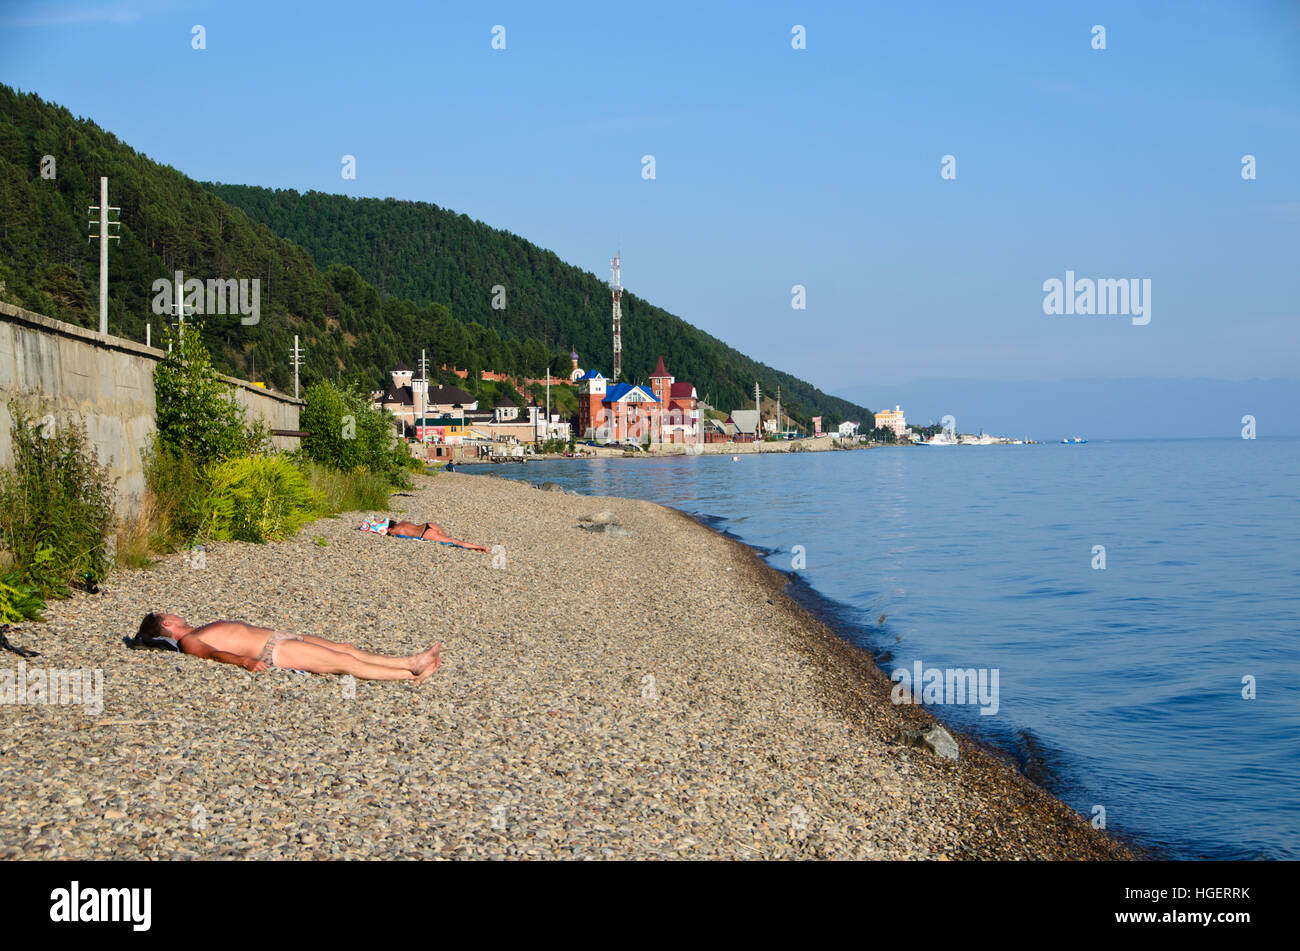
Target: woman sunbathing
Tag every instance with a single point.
(429, 531)
(258, 648)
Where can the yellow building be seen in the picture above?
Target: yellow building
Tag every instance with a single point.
(892, 419)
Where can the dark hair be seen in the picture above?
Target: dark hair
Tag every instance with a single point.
(152, 634)
(150, 628)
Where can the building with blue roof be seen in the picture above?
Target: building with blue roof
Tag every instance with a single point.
(664, 411)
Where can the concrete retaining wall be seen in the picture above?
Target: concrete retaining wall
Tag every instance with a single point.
(107, 383)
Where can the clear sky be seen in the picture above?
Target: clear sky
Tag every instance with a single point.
(774, 166)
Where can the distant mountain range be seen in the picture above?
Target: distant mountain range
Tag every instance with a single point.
(365, 283)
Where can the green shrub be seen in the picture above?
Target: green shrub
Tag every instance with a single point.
(257, 499)
(19, 600)
(178, 487)
(356, 490)
(46, 575)
(197, 413)
(347, 431)
(56, 504)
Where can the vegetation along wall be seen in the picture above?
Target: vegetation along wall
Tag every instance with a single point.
(107, 383)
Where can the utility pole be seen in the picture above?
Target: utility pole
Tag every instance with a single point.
(424, 398)
(295, 358)
(104, 237)
(180, 319)
(779, 429)
(180, 311)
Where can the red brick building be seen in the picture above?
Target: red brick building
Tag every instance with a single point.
(679, 416)
(666, 411)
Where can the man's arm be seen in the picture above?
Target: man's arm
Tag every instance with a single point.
(201, 648)
(251, 664)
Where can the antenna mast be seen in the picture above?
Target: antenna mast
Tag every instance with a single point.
(616, 288)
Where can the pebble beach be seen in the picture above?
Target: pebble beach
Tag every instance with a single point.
(642, 692)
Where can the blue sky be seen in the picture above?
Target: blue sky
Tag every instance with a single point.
(775, 167)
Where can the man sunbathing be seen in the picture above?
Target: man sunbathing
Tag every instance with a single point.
(258, 648)
(429, 531)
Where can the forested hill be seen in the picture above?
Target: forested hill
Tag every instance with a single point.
(50, 164)
(425, 253)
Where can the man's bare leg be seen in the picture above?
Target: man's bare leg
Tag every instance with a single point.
(304, 655)
(383, 660)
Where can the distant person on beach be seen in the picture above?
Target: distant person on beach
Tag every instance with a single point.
(259, 648)
(429, 531)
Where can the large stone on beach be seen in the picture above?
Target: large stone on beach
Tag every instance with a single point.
(934, 738)
(550, 487)
(607, 528)
(603, 517)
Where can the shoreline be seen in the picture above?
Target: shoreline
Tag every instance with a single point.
(867, 687)
(603, 696)
(826, 613)
(831, 615)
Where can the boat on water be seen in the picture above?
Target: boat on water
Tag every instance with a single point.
(1073, 440)
(939, 439)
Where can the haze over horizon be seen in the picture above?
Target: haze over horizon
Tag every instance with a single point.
(777, 166)
(1135, 408)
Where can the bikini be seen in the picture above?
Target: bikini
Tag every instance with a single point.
(380, 527)
(277, 638)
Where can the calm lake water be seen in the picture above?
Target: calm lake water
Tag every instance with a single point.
(1119, 687)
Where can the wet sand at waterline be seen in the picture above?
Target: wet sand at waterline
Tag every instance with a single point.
(652, 694)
